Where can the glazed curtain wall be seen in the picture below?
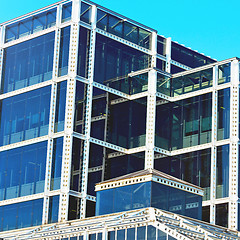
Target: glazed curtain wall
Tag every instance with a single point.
(25, 116)
(28, 63)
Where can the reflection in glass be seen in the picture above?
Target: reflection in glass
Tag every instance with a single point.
(223, 116)
(31, 25)
(194, 167)
(60, 106)
(83, 51)
(114, 63)
(56, 163)
(28, 63)
(53, 209)
(122, 28)
(185, 123)
(85, 15)
(192, 82)
(127, 130)
(20, 215)
(224, 73)
(222, 215)
(64, 52)
(25, 116)
(222, 178)
(188, 57)
(22, 171)
(66, 12)
(121, 165)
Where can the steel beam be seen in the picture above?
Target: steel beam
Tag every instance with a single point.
(88, 112)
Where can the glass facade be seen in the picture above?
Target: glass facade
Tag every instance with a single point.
(20, 215)
(61, 134)
(28, 63)
(22, 171)
(148, 194)
(25, 116)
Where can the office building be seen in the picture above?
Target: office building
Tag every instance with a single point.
(88, 95)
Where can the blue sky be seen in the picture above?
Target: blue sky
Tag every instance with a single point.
(208, 26)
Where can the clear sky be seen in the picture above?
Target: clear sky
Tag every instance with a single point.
(208, 26)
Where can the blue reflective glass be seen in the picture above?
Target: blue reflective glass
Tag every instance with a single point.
(60, 106)
(56, 163)
(111, 235)
(222, 178)
(92, 236)
(141, 233)
(31, 25)
(66, 12)
(224, 73)
(20, 215)
(64, 52)
(83, 49)
(23, 171)
(161, 235)
(223, 131)
(53, 209)
(28, 63)
(85, 13)
(131, 233)
(121, 234)
(25, 116)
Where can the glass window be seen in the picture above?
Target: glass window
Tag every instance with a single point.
(175, 69)
(194, 167)
(127, 130)
(161, 235)
(188, 57)
(76, 165)
(93, 178)
(131, 233)
(192, 82)
(141, 233)
(90, 209)
(121, 165)
(20, 215)
(73, 208)
(206, 214)
(223, 116)
(186, 123)
(222, 178)
(25, 116)
(85, 13)
(79, 107)
(111, 235)
(161, 64)
(115, 61)
(161, 45)
(56, 163)
(66, 12)
(122, 28)
(53, 209)
(224, 73)
(222, 215)
(31, 25)
(96, 155)
(121, 234)
(83, 50)
(28, 63)
(64, 51)
(164, 84)
(60, 106)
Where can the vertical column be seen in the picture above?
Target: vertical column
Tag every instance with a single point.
(69, 112)
(88, 113)
(213, 147)
(51, 118)
(233, 163)
(151, 107)
(168, 54)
